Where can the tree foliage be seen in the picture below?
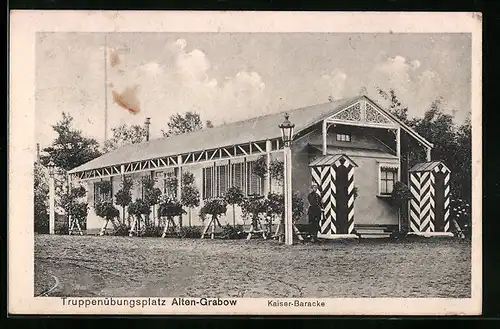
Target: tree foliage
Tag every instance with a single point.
(74, 204)
(276, 170)
(123, 196)
(214, 207)
(41, 199)
(151, 194)
(123, 135)
(181, 124)
(452, 143)
(396, 107)
(70, 149)
(106, 210)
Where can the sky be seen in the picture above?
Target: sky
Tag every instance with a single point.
(233, 76)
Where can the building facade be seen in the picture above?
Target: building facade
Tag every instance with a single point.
(360, 132)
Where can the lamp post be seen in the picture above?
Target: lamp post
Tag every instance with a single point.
(51, 167)
(287, 135)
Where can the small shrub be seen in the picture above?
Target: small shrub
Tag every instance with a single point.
(139, 207)
(61, 228)
(190, 232)
(461, 212)
(259, 167)
(252, 207)
(121, 230)
(152, 231)
(170, 207)
(233, 232)
(400, 194)
(214, 207)
(107, 210)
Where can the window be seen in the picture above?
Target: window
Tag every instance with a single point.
(238, 177)
(254, 182)
(218, 179)
(388, 176)
(222, 175)
(101, 195)
(208, 182)
(170, 183)
(343, 137)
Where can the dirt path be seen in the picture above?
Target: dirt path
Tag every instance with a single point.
(116, 266)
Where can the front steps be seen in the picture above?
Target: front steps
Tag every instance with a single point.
(374, 231)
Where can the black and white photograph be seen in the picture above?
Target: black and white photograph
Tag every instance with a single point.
(197, 169)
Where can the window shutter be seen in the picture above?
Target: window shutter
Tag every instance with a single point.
(238, 175)
(222, 179)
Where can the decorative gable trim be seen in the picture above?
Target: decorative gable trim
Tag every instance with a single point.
(363, 113)
(375, 116)
(351, 113)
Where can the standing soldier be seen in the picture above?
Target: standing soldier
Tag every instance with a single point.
(314, 211)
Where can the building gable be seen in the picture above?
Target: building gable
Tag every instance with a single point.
(363, 112)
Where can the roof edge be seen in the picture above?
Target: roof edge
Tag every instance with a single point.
(408, 129)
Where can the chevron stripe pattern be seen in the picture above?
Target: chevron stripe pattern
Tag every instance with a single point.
(322, 178)
(447, 195)
(415, 202)
(424, 203)
(350, 196)
(447, 201)
(326, 179)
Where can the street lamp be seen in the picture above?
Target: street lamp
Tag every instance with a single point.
(287, 130)
(51, 167)
(287, 135)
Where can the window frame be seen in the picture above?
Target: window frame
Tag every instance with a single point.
(244, 182)
(343, 137)
(387, 167)
(167, 174)
(97, 193)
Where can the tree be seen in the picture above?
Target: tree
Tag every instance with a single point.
(190, 196)
(181, 124)
(463, 163)
(123, 135)
(234, 196)
(70, 149)
(452, 144)
(151, 194)
(74, 205)
(395, 105)
(41, 199)
(123, 196)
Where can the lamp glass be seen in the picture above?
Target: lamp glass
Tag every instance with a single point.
(287, 130)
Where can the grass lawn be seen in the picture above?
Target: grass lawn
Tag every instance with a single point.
(128, 267)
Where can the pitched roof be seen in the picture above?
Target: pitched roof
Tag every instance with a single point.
(251, 130)
(429, 166)
(328, 160)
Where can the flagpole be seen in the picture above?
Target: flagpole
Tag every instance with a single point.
(105, 87)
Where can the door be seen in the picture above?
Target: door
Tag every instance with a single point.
(439, 202)
(342, 196)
